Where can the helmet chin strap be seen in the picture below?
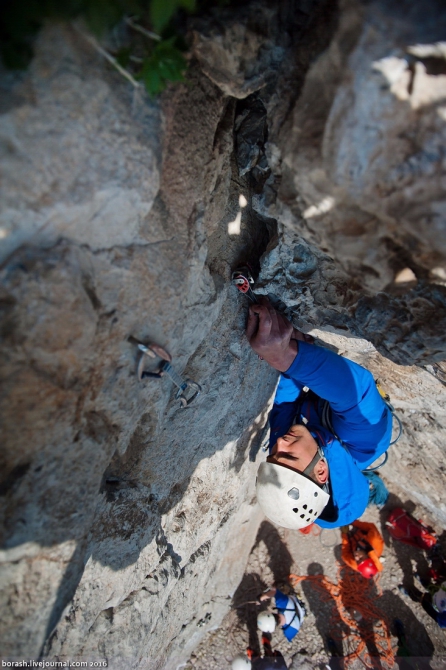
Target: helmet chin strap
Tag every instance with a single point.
(308, 472)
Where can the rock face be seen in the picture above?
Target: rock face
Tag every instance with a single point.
(127, 520)
(98, 465)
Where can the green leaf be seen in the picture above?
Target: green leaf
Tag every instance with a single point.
(161, 12)
(166, 63)
(153, 82)
(190, 5)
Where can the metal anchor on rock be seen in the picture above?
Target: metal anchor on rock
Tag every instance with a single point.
(188, 390)
(242, 279)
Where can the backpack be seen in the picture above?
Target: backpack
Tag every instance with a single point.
(403, 527)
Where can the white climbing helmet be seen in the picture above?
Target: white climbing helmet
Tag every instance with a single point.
(241, 663)
(288, 498)
(266, 622)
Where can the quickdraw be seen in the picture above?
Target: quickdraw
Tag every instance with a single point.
(188, 390)
(242, 279)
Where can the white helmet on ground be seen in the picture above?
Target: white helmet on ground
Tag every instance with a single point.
(266, 622)
(288, 498)
(241, 663)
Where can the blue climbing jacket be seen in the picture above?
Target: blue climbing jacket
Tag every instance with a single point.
(359, 418)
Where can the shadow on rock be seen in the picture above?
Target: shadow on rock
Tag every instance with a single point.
(280, 559)
(280, 562)
(323, 606)
(419, 643)
(247, 611)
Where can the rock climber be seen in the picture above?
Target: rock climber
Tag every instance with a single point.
(433, 600)
(271, 660)
(290, 613)
(322, 439)
(362, 547)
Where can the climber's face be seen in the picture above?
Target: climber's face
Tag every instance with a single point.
(295, 450)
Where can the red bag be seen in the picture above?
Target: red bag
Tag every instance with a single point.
(402, 526)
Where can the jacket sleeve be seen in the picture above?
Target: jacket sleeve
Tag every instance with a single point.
(360, 417)
(283, 411)
(281, 600)
(365, 527)
(347, 554)
(377, 563)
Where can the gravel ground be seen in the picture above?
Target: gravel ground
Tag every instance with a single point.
(279, 552)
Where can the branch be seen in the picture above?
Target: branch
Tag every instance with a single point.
(109, 57)
(143, 31)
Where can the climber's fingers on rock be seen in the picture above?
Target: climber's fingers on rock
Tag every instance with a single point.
(253, 323)
(267, 327)
(270, 335)
(259, 324)
(272, 324)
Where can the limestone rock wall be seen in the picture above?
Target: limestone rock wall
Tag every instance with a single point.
(114, 214)
(127, 520)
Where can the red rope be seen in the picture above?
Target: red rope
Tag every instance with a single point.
(353, 593)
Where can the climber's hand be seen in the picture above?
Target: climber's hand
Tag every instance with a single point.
(266, 595)
(271, 335)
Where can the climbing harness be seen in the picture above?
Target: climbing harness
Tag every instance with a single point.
(352, 593)
(326, 422)
(188, 390)
(299, 609)
(242, 279)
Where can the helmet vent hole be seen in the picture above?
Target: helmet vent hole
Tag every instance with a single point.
(310, 511)
(295, 510)
(294, 494)
(315, 494)
(305, 506)
(308, 519)
(302, 516)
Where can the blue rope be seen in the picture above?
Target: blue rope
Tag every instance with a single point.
(378, 493)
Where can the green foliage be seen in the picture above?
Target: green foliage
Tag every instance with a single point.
(159, 62)
(101, 15)
(161, 11)
(166, 63)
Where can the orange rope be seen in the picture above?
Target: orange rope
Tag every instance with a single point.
(354, 593)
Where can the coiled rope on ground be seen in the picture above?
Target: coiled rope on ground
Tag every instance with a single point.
(352, 593)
